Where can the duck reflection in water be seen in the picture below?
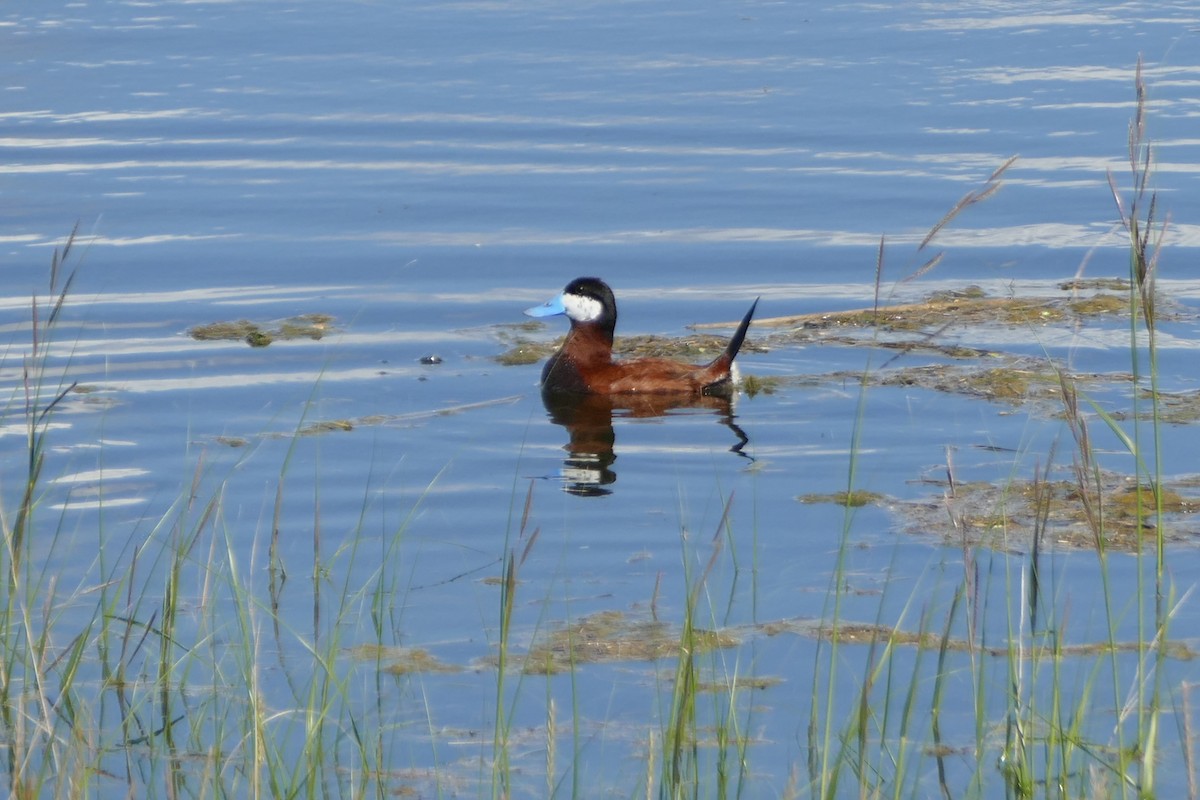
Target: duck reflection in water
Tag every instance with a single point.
(582, 386)
(588, 419)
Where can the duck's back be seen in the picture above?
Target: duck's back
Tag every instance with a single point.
(635, 376)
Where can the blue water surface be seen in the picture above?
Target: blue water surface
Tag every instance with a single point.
(420, 172)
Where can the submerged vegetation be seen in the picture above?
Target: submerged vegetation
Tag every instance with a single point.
(169, 670)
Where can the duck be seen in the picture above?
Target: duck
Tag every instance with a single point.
(584, 364)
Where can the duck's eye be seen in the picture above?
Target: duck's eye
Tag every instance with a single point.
(582, 309)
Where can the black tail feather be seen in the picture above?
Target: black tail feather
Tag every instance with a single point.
(735, 344)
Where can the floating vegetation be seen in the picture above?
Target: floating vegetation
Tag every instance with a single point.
(232, 441)
(700, 348)
(1013, 380)
(1006, 517)
(1009, 383)
(223, 330)
(521, 349)
(971, 292)
(1021, 312)
(610, 636)
(1095, 284)
(1099, 304)
(525, 351)
(867, 633)
(969, 306)
(917, 327)
(326, 426)
(1127, 502)
(852, 499)
(752, 682)
(1175, 408)
(305, 326)
(403, 660)
(760, 384)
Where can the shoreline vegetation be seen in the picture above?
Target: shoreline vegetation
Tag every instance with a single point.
(163, 673)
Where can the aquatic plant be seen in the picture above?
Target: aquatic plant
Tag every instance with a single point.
(1049, 739)
(35, 671)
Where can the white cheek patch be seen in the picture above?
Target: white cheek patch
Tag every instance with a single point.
(582, 309)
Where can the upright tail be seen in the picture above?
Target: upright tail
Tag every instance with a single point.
(720, 370)
(735, 344)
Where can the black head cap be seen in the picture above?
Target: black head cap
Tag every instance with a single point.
(598, 291)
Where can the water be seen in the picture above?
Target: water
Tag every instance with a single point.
(422, 172)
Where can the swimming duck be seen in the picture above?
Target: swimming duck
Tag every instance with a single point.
(584, 364)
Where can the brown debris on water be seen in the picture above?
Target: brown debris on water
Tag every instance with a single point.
(612, 636)
(305, 326)
(853, 499)
(968, 306)
(521, 348)
(694, 347)
(870, 633)
(1174, 408)
(216, 331)
(1099, 304)
(1006, 516)
(525, 351)
(1095, 284)
(326, 426)
(403, 660)
(1015, 382)
(760, 384)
